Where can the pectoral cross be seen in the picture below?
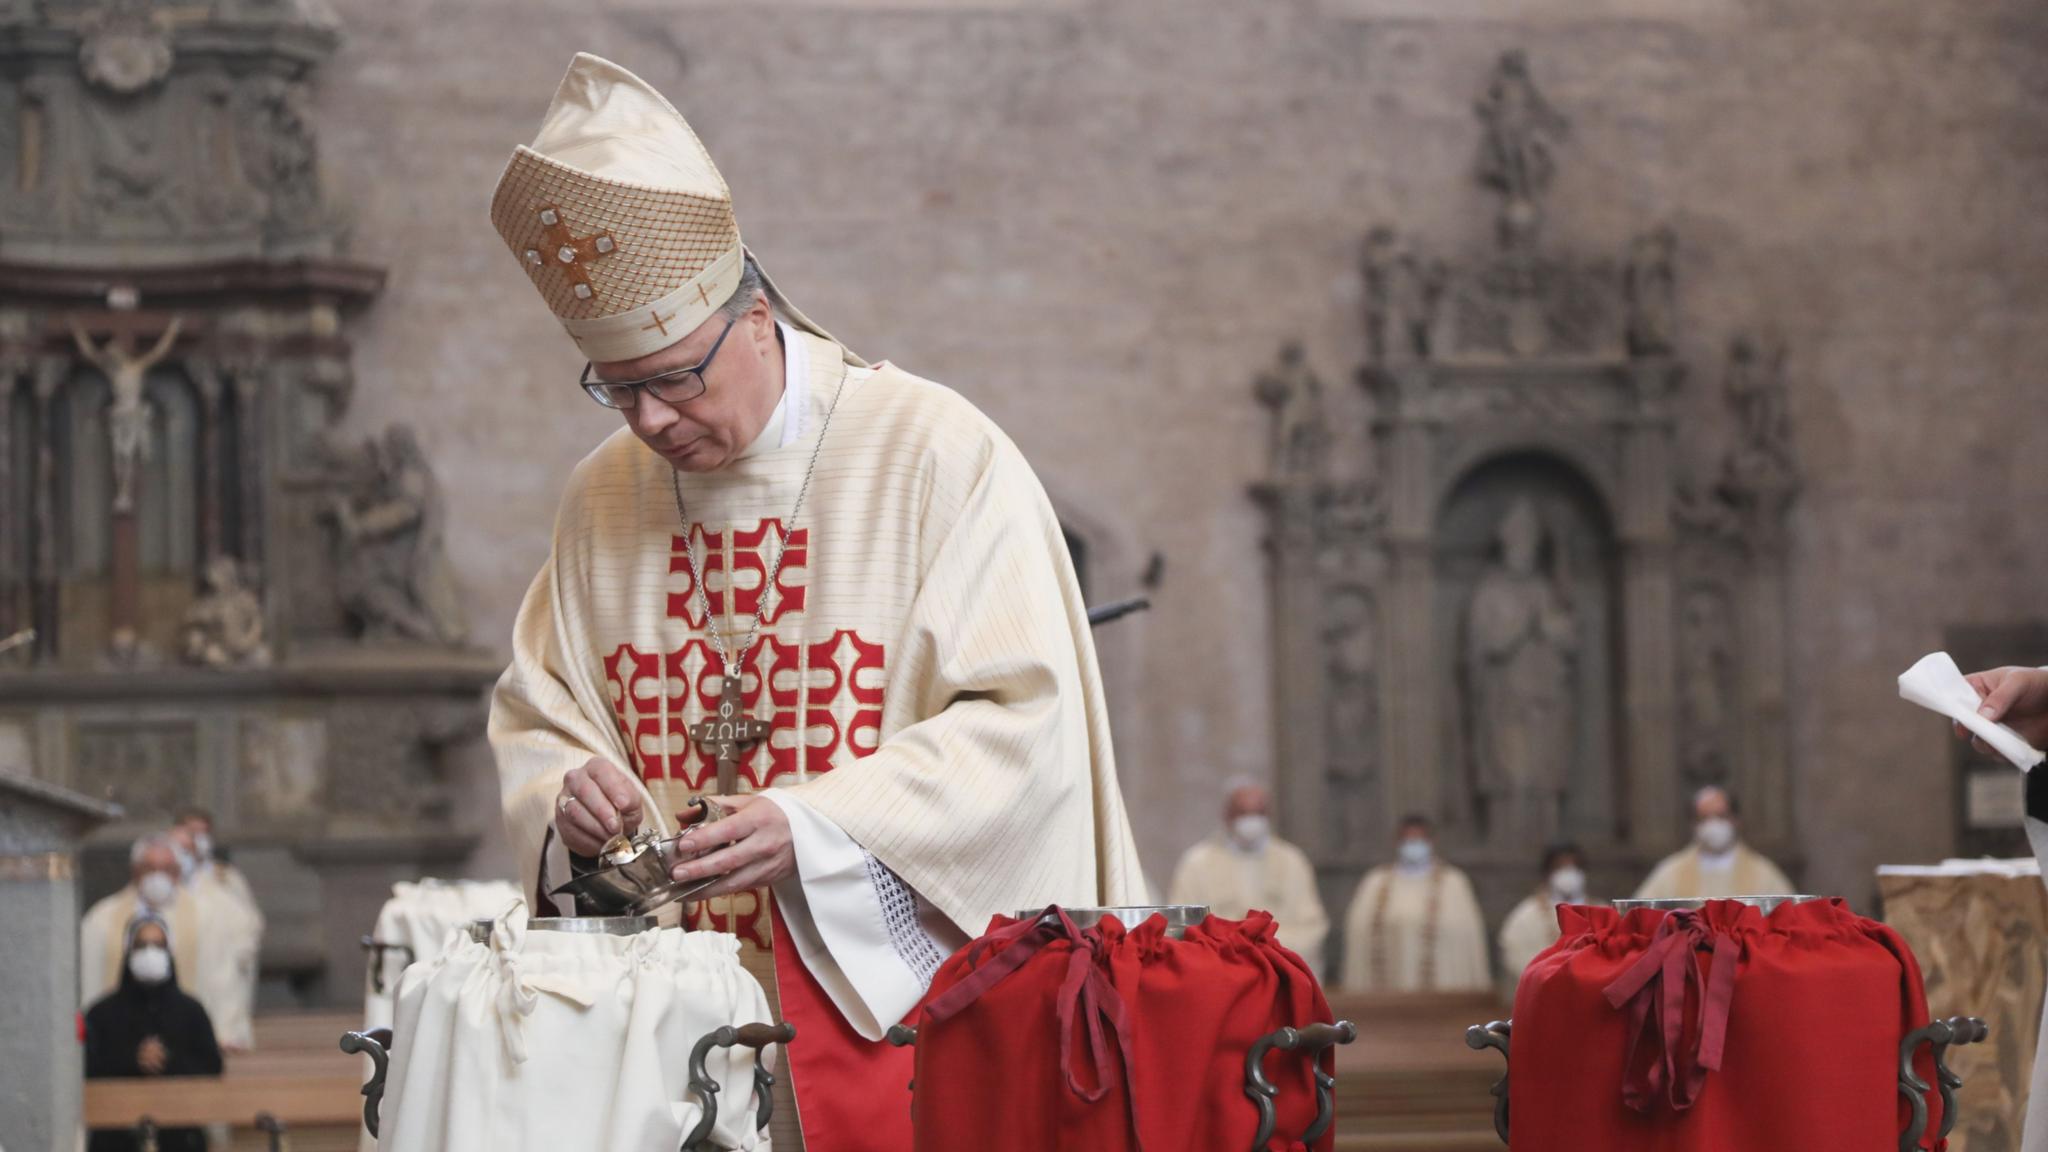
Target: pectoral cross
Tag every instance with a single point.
(731, 735)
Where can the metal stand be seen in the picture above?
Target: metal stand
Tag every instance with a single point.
(1494, 1034)
(1310, 1042)
(378, 950)
(1940, 1034)
(755, 1036)
(376, 1044)
(273, 1128)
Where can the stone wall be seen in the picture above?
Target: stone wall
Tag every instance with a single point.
(1098, 220)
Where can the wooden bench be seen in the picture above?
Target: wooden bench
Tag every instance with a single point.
(296, 1073)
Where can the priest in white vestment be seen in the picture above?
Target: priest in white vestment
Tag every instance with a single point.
(1531, 925)
(230, 928)
(852, 557)
(1246, 867)
(153, 887)
(1717, 864)
(1415, 925)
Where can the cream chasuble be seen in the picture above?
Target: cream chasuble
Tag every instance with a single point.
(1690, 874)
(230, 932)
(939, 736)
(1531, 927)
(1409, 931)
(1277, 878)
(103, 942)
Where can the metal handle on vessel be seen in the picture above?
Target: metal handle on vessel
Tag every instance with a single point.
(755, 1036)
(377, 950)
(1495, 1035)
(1939, 1035)
(376, 1044)
(1309, 1040)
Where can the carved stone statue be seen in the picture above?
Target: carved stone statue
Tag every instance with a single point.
(1403, 295)
(1301, 437)
(1521, 656)
(1650, 287)
(1514, 154)
(1756, 389)
(224, 627)
(129, 414)
(1704, 672)
(392, 568)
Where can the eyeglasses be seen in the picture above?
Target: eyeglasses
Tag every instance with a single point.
(675, 387)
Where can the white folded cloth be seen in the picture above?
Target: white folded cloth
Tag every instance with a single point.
(1935, 683)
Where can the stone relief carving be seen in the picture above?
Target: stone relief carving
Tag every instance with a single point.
(125, 48)
(224, 627)
(1650, 286)
(1521, 652)
(1403, 297)
(279, 151)
(1515, 150)
(392, 569)
(1301, 435)
(149, 769)
(283, 768)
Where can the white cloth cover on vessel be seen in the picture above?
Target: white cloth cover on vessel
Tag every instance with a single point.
(569, 1042)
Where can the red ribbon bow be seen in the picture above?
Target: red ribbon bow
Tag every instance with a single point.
(1655, 990)
(1085, 990)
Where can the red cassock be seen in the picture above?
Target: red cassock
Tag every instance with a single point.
(1041, 1036)
(1715, 1031)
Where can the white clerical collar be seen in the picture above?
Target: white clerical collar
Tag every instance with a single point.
(786, 424)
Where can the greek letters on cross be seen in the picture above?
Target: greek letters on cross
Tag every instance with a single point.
(731, 735)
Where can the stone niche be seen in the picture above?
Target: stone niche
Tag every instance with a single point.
(230, 605)
(1535, 606)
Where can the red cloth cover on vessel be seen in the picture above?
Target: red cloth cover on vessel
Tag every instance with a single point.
(1041, 1035)
(1714, 1030)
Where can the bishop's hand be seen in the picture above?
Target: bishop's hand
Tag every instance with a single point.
(750, 848)
(597, 802)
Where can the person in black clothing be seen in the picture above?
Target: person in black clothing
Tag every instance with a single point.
(149, 1027)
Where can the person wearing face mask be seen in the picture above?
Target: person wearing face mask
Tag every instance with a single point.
(1246, 867)
(153, 888)
(147, 1026)
(1532, 925)
(1717, 864)
(230, 930)
(1415, 925)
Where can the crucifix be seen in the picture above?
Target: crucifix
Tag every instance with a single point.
(129, 415)
(730, 736)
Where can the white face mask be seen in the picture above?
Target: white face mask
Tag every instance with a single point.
(1568, 885)
(202, 847)
(1716, 834)
(1416, 853)
(157, 889)
(150, 964)
(1250, 831)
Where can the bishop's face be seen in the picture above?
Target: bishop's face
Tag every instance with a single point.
(742, 384)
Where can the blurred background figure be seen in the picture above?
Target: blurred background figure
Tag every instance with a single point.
(1717, 864)
(230, 928)
(148, 1026)
(1532, 925)
(1245, 866)
(1414, 925)
(154, 890)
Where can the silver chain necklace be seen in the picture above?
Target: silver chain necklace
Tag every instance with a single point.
(727, 661)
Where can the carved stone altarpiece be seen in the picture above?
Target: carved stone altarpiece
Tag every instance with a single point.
(230, 608)
(1517, 612)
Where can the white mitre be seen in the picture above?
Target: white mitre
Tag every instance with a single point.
(618, 214)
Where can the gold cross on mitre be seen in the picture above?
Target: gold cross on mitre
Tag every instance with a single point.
(564, 250)
(731, 735)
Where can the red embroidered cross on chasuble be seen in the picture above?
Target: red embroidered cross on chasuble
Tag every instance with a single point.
(822, 698)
